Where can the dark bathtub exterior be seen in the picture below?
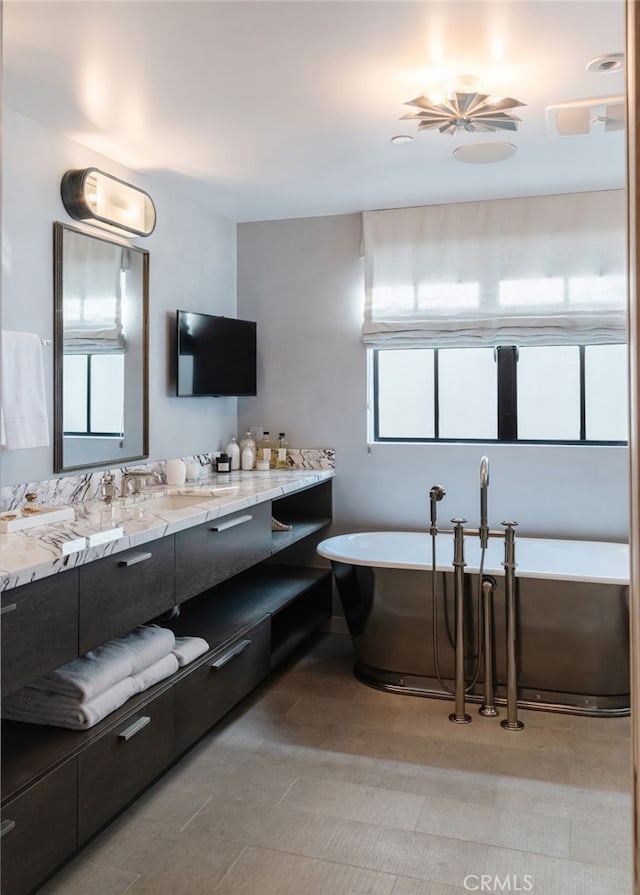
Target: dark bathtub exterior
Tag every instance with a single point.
(572, 638)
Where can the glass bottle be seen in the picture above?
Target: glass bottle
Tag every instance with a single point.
(265, 449)
(281, 453)
(249, 441)
(31, 504)
(233, 450)
(248, 456)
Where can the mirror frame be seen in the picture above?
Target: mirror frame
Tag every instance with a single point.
(58, 342)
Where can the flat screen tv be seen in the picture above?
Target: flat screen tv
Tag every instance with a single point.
(216, 355)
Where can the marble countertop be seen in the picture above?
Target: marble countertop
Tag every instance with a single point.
(37, 553)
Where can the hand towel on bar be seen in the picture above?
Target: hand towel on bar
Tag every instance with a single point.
(100, 668)
(189, 648)
(23, 401)
(151, 675)
(33, 706)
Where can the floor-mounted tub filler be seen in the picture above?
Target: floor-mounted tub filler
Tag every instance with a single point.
(521, 622)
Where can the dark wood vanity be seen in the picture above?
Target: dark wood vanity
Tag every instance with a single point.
(235, 584)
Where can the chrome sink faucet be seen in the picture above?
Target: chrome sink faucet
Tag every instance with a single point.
(137, 477)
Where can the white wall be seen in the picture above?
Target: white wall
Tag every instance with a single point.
(302, 280)
(192, 266)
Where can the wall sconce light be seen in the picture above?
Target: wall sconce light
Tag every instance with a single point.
(91, 196)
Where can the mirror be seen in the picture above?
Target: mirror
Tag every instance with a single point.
(101, 291)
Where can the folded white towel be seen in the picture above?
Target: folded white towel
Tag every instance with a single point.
(189, 648)
(161, 669)
(89, 675)
(37, 706)
(33, 706)
(25, 423)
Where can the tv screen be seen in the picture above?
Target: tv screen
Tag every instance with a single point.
(216, 355)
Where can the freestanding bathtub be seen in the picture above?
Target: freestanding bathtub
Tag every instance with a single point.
(572, 616)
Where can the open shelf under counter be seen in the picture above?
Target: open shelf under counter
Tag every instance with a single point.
(300, 530)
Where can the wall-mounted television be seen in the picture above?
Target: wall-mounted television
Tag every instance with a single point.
(216, 355)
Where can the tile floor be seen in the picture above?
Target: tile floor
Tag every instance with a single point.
(319, 785)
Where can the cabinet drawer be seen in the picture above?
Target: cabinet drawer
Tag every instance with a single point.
(121, 763)
(218, 684)
(124, 590)
(39, 628)
(39, 830)
(215, 551)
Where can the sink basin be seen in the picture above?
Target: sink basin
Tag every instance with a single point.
(174, 502)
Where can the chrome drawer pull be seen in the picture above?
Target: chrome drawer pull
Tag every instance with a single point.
(230, 654)
(231, 523)
(6, 826)
(10, 607)
(134, 728)
(134, 560)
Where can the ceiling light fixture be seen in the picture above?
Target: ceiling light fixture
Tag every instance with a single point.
(464, 110)
(402, 138)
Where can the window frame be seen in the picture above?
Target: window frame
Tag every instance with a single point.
(507, 405)
(89, 432)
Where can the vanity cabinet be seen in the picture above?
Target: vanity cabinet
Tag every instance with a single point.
(60, 787)
(127, 757)
(38, 830)
(39, 625)
(219, 682)
(216, 550)
(124, 589)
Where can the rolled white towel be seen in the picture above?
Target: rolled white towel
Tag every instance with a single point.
(154, 673)
(189, 648)
(89, 675)
(23, 705)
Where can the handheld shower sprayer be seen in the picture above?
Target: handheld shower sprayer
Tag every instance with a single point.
(484, 484)
(436, 493)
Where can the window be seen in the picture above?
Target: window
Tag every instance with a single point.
(93, 394)
(568, 394)
(499, 320)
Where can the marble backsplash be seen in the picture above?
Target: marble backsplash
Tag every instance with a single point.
(79, 487)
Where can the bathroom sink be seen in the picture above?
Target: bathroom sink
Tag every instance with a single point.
(174, 502)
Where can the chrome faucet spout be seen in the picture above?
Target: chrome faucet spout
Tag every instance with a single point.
(484, 484)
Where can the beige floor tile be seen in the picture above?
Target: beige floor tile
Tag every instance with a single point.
(316, 761)
(406, 886)
(602, 842)
(508, 829)
(82, 877)
(404, 853)
(138, 849)
(320, 710)
(353, 801)
(555, 876)
(283, 874)
(278, 828)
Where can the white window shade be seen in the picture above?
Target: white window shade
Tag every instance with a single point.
(543, 270)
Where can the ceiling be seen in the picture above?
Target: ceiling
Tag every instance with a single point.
(266, 110)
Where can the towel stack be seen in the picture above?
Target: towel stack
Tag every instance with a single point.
(86, 690)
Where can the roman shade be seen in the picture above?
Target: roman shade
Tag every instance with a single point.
(543, 270)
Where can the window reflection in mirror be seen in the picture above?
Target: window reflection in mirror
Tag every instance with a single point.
(101, 295)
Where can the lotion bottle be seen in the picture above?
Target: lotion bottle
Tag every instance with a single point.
(248, 457)
(233, 450)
